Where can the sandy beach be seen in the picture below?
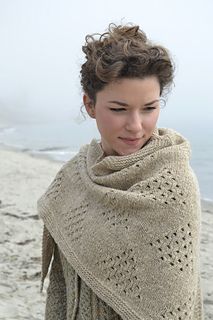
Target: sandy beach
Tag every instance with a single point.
(23, 178)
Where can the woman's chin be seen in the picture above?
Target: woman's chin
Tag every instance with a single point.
(120, 152)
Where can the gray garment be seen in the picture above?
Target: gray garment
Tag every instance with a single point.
(61, 295)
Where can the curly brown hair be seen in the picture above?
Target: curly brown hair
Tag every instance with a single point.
(123, 52)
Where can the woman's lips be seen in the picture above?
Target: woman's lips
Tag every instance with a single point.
(131, 142)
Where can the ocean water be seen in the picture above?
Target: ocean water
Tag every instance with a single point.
(62, 141)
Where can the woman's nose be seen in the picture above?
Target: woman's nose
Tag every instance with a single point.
(134, 122)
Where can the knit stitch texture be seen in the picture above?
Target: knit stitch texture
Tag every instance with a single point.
(126, 233)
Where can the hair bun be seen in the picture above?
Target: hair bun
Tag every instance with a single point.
(127, 32)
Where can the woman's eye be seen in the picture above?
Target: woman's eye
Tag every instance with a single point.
(117, 109)
(149, 108)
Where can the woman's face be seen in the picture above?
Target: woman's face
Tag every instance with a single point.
(126, 112)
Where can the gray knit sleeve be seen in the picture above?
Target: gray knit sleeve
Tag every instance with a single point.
(82, 302)
(56, 303)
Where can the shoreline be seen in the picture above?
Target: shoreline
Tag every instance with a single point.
(24, 178)
(29, 152)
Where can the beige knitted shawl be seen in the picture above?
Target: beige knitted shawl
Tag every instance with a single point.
(130, 225)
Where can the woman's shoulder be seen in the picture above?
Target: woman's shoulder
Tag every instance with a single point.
(68, 173)
(175, 137)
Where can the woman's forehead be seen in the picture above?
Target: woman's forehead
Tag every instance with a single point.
(127, 90)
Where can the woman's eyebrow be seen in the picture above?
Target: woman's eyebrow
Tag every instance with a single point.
(149, 103)
(123, 104)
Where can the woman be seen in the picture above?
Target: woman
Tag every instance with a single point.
(122, 218)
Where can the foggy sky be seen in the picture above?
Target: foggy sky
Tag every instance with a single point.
(40, 54)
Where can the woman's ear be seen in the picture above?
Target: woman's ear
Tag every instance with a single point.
(89, 105)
